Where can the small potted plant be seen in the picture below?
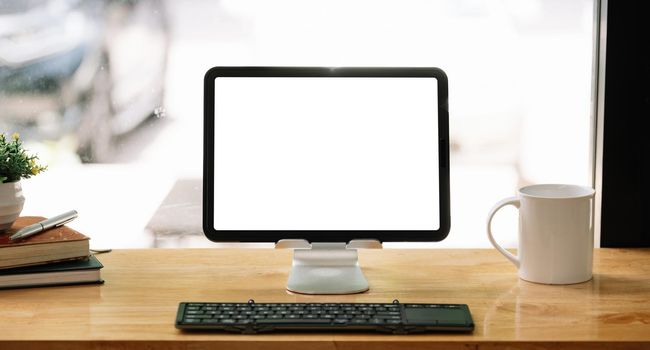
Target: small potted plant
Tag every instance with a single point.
(15, 164)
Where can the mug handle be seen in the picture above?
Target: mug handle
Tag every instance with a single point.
(514, 201)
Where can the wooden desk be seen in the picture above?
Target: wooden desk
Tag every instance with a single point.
(137, 305)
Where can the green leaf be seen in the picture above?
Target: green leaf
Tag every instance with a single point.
(15, 163)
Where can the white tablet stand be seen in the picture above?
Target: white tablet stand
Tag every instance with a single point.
(326, 268)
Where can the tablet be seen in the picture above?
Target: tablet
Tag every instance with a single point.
(325, 154)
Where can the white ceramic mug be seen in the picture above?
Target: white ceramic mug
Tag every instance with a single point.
(556, 238)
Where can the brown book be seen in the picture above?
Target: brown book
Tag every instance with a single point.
(57, 244)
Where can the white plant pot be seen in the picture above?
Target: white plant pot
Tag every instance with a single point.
(11, 203)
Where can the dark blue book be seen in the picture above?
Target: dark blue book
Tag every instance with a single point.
(84, 271)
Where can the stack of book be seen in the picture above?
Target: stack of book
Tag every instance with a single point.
(59, 256)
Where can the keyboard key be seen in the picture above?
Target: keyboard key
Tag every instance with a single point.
(198, 316)
(389, 317)
(295, 320)
(207, 320)
(388, 313)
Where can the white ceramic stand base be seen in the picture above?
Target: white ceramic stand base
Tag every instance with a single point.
(327, 268)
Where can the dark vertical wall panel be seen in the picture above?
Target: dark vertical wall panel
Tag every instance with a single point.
(626, 152)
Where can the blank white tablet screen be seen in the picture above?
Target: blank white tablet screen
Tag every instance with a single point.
(324, 153)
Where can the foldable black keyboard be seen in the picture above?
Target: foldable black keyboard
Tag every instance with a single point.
(254, 317)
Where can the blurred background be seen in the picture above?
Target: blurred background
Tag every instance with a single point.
(109, 95)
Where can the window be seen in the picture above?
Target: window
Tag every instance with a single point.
(112, 100)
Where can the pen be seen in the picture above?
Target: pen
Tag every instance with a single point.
(44, 225)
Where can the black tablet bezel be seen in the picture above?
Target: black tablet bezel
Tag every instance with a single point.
(324, 235)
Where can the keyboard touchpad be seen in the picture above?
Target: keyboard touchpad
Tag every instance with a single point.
(427, 315)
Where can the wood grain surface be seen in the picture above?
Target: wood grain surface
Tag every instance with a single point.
(136, 307)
